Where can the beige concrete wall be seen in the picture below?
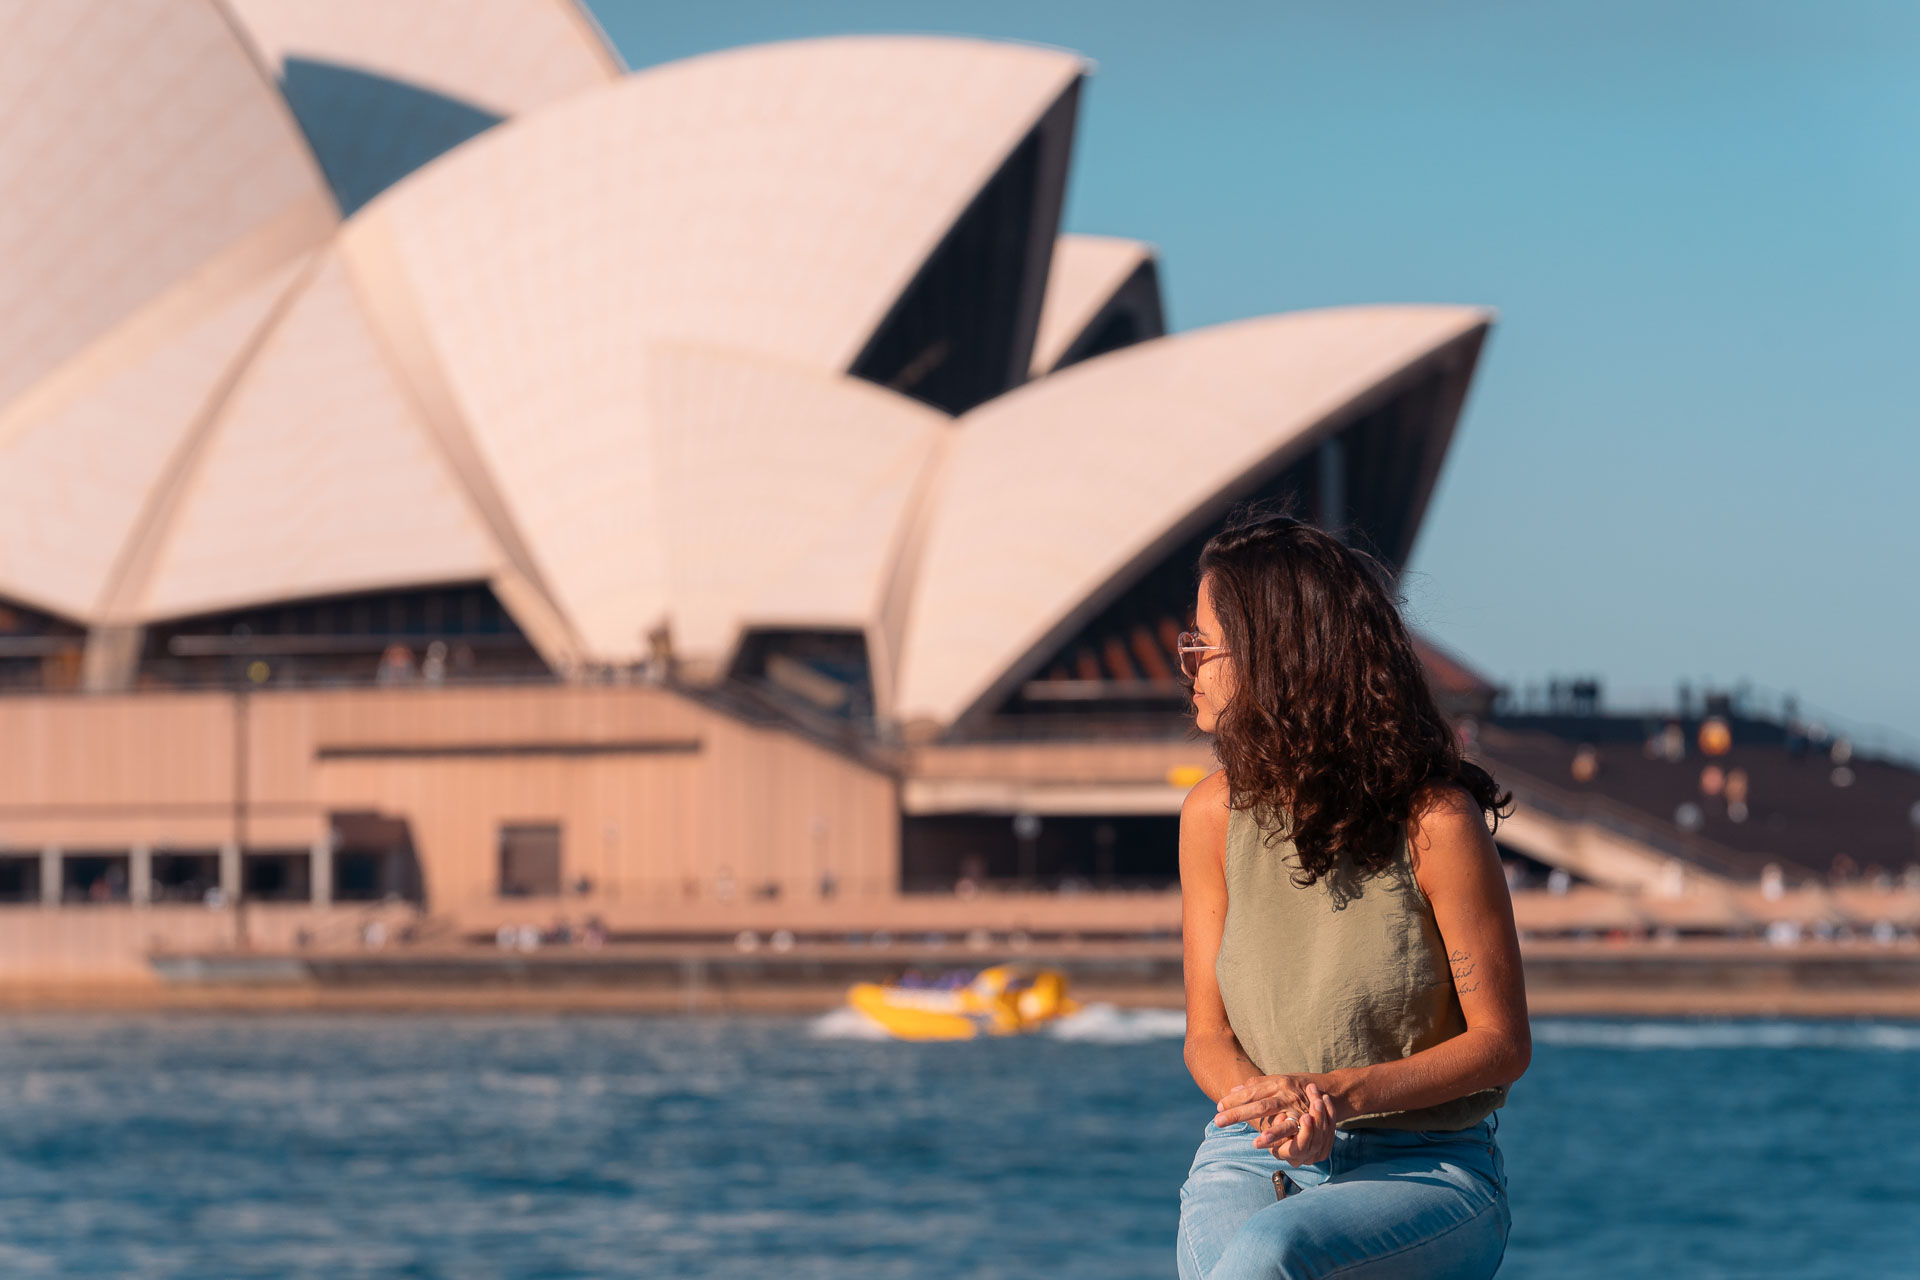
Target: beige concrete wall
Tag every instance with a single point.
(1087, 777)
(752, 804)
(653, 830)
(1147, 762)
(112, 772)
(84, 945)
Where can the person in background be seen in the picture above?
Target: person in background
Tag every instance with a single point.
(1355, 1006)
(396, 665)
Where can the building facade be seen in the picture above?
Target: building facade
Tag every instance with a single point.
(702, 497)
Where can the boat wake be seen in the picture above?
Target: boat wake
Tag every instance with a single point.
(1575, 1033)
(1096, 1023)
(1110, 1024)
(845, 1023)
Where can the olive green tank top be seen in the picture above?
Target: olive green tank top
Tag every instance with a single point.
(1345, 973)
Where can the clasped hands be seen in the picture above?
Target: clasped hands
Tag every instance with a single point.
(1294, 1113)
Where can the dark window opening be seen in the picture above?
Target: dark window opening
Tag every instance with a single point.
(1384, 456)
(358, 876)
(374, 860)
(962, 333)
(20, 878)
(818, 673)
(277, 876)
(530, 860)
(446, 635)
(184, 877)
(39, 652)
(940, 853)
(94, 877)
(1121, 329)
(367, 131)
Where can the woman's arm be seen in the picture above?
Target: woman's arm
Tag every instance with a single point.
(1458, 869)
(1214, 1055)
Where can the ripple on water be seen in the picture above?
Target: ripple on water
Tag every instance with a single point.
(555, 1146)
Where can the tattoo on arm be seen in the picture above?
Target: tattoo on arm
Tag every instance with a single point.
(1463, 967)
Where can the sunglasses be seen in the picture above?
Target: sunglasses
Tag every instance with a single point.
(1188, 648)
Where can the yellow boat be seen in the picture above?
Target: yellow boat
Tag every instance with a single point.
(1002, 1000)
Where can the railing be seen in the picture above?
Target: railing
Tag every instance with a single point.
(1745, 698)
(232, 684)
(1137, 726)
(854, 735)
(1622, 820)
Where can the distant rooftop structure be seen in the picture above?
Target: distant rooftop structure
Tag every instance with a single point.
(1717, 781)
(1768, 798)
(1457, 687)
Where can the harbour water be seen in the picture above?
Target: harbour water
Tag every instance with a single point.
(465, 1146)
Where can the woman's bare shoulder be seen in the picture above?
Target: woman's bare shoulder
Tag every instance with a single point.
(1447, 834)
(1203, 820)
(1443, 803)
(1207, 801)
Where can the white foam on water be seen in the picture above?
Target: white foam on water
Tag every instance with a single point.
(1889, 1037)
(846, 1023)
(1097, 1023)
(1109, 1024)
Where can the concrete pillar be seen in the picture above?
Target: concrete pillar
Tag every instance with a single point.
(1333, 483)
(50, 875)
(111, 659)
(230, 872)
(320, 871)
(140, 874)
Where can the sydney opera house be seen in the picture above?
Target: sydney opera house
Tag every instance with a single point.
(438, 466)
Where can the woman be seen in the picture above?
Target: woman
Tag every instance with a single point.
(1354, 997)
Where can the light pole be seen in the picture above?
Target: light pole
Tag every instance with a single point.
(1026, 829)
(243, 638)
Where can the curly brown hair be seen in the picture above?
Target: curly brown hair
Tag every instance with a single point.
(1331, 727)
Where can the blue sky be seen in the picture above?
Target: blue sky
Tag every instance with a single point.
(1692, 450)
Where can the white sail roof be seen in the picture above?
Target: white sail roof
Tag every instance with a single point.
(773, 201)
(1037, 514)
(782, 492)
(1086, 272)
(81, 480)
(505, 56)
(317, 477)
(597, 356)
(148, 172)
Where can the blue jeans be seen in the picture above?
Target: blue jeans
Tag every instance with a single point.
(1387, 1202)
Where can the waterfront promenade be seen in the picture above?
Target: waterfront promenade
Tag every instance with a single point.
(1850, 952)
